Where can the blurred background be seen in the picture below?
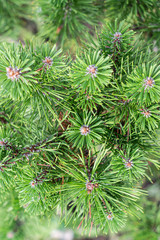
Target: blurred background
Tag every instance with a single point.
(68, 24)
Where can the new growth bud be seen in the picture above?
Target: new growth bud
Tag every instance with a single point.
(13, 73)
(92, 70)
(117, 37)
(128, 164)
(148, 83)
(85, 130)
(146, 113)
(48, 62)
(33, 183)
(109, 216)
(90, 186)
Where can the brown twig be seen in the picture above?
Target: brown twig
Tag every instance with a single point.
(43, 165)
(39, 69)
(80, 223)
(90, 229)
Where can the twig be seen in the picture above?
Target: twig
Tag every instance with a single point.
(80, 223)
(90, 229)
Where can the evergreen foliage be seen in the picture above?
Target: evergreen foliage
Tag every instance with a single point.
(14, 14)
(79, 134)
(144, 15)
(68, 18)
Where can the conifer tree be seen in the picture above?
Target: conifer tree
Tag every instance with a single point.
(79, 134)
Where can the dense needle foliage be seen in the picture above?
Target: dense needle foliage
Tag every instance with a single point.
(79, 134)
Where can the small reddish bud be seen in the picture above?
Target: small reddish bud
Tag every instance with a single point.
(92, 69)
(89, 187)
(48, 62)
(128, 164)
(146, 113)
(148, 82)
(85, 130)
(110, 217)
(33, 184)
(13, 73)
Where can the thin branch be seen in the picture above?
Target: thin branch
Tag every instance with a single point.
(80, 223)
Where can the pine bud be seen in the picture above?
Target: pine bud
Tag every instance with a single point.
(10, 235)
(117, 37)
(88, 97)
(110, 217)
(128, 164)
(48, 62)
(89, 187)
(146, 113)
(33, 183)
(26, 205)
(85, 130)
(92, 69)
(148, 82)
(3, 142)
(13, 73)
